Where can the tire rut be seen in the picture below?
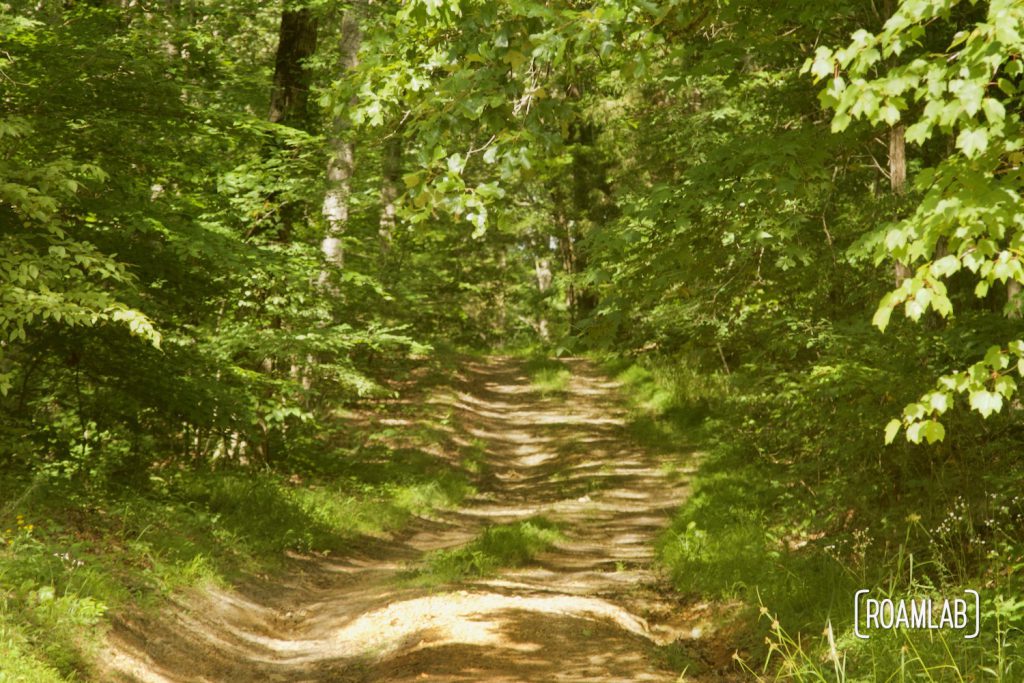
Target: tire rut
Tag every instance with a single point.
(591, 608)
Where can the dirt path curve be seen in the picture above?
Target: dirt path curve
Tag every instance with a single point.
(590, 609)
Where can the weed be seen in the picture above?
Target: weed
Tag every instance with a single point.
(503, 545)
(551, 382)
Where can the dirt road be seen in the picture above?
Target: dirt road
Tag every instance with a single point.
(590, 609)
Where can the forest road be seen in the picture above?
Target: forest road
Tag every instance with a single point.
(591, 608)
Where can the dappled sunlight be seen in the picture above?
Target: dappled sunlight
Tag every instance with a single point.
(580, 611)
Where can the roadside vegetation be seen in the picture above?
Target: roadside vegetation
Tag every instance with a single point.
(74, 552)
(788, 541)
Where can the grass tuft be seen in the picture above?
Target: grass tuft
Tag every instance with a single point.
(548, 376)
(502, 545)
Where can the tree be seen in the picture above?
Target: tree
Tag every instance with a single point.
(341, 165)
(967, 93)
(296, 44)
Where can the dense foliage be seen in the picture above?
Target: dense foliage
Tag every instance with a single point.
(222, 221)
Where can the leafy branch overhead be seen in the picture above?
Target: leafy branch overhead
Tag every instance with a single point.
(942, 76)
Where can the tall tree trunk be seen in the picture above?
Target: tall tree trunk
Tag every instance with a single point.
(898, 182)
(568, 249)
(591, 193)
(542, 267)
(342, 161)
(289, 96)
(391, 176)
(1013, 299)
(289, 92)
(289, 106)
(501, 298)
(897, 158)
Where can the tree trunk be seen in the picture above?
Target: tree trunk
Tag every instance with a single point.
(289, 96)
(591, 205)
(342, 161)
(898, 182)
(897, 159)
(501, 296)
(568, 246)
(391, 176)
(289, 106)
(1013, 299)
(544, 277)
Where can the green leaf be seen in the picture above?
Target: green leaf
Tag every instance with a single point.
(914, 432)
(938, 401)
(995, 112)
(986, 402)
(973, 141)
(890, 114)
(884, 312)
(1005, 385)
(945, 266)
(919, 132)
(995, 358)
(915, 411)
(840, 122)
(891, 430)
(933, 431)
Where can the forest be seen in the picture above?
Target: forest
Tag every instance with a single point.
(546, 340)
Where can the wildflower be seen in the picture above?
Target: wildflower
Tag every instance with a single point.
(913, 518)
(764, 610)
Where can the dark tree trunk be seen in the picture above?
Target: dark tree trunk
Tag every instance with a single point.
(289, 97)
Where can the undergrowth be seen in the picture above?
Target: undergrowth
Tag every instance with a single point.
(73, 552)
(795, 506)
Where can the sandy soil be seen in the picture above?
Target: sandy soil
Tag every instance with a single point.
(591, 609)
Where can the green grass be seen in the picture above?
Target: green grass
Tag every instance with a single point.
(474, 457)
(755, 530)
(502, 545)
(70, 553)
(16, 664)
(551, 382)
(548, 376)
